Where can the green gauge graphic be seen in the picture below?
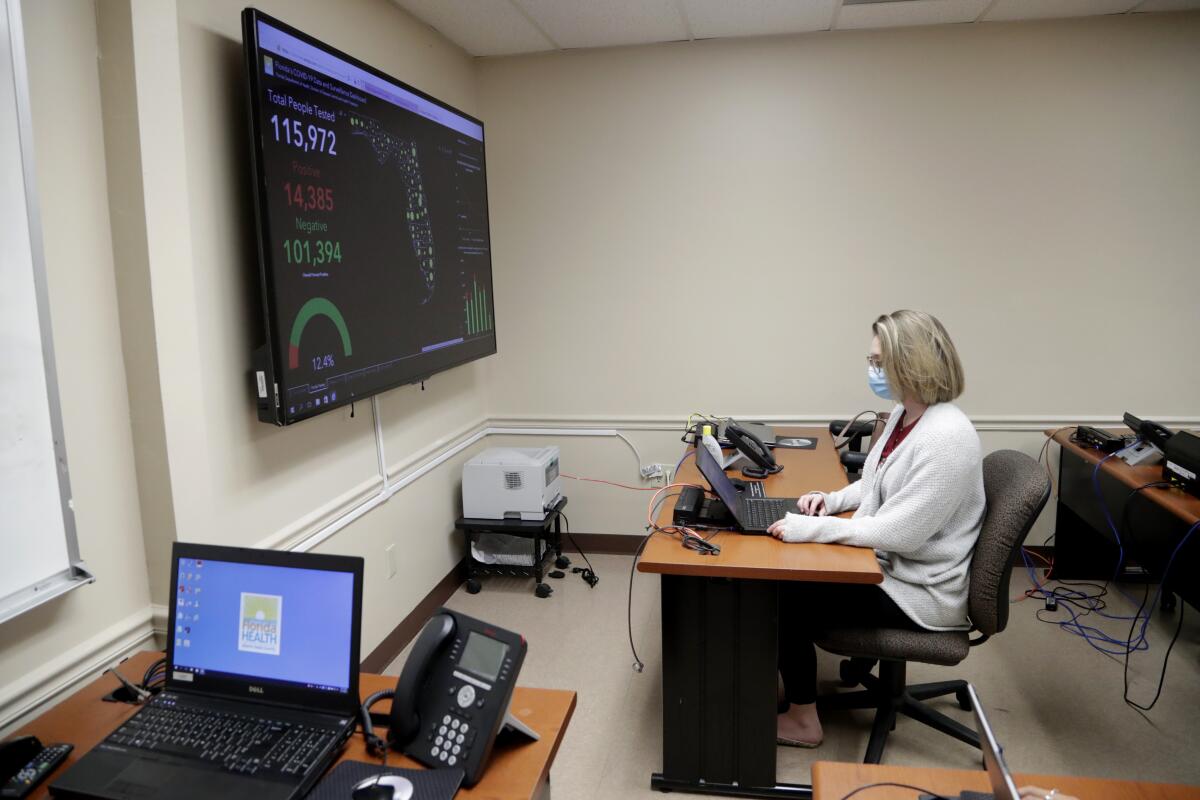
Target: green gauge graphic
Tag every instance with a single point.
(317, 306)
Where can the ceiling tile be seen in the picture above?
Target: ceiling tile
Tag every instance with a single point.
(910, 12)
(1045, 9)
(494, 28)
(1168, 5)
(592, 23)
(713, 18)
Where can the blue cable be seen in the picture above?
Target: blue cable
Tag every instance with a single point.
(1112, 526)
(1095, 637)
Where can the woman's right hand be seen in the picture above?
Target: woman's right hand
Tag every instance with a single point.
(812, 504)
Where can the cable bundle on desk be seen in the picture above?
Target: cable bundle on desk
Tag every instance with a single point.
(692, 429)
(153, 681)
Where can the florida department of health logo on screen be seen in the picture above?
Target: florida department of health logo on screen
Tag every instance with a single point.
(261, 623)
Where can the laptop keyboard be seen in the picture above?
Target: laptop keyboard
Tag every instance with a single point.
(759, 513)
(238, 742)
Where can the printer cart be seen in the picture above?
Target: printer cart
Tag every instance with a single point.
(547, 530)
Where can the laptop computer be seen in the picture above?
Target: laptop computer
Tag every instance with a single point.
(753, 514)
(1003, 785)
(261, 682)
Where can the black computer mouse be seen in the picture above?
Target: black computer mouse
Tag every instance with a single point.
(383, 787)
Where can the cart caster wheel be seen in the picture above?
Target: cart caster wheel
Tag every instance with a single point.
(542, 590)
(562, 562)
(964, 699)
(473, 586)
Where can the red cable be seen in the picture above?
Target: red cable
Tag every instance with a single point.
(610, 483)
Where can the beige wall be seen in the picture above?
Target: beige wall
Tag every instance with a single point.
(654, 208)
(660, 213)
(56, 643)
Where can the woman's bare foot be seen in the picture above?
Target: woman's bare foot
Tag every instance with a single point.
(799, 726)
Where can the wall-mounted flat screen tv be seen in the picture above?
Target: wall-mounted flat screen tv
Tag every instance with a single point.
(374, 250)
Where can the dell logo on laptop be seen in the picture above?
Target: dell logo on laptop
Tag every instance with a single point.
(256, 690)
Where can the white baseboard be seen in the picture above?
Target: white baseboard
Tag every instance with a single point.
(43, 686)
(675, 422)
(333, 517)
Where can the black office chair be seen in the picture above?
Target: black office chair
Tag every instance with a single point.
(855, 454)
(1017, 488)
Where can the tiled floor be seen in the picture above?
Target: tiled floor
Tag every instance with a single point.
(1055, 703)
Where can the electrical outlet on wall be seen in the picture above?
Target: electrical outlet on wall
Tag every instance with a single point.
(390, 552)
(659, 475)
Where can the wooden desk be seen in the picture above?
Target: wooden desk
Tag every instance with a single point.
(515, 772)
(764, 557)
(720, 621)
(1157, 519)
(833, 781)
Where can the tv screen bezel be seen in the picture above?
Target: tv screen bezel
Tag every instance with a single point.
(270, 390)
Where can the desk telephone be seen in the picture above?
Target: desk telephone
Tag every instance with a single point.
(752, 448)
(452, 699)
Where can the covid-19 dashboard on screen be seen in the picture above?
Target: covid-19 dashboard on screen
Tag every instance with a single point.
(373, 226)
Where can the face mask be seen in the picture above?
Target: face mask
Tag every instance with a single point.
(878, 382)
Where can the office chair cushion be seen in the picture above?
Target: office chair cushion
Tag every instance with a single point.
(1016, 487)
(946, 648)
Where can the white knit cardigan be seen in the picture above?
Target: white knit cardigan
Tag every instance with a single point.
(921, 512)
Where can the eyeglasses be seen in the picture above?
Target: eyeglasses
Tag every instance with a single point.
(875, 361)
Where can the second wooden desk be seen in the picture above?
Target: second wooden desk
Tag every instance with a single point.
(720, 620)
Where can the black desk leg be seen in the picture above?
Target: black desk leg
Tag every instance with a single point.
(719, 679)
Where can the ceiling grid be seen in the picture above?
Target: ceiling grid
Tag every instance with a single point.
(511, 27)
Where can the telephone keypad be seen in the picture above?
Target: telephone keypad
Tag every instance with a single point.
(453, 740)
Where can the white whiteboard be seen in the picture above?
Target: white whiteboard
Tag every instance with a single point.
(39, 556)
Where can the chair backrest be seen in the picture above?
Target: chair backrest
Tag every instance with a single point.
(1016, 487)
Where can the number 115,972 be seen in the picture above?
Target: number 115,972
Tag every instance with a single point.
(293, 132)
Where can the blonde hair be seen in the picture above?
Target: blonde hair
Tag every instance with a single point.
(918, 357)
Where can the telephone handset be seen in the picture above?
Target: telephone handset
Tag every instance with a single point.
(453, 695)
(1151, 432)
(752, 448)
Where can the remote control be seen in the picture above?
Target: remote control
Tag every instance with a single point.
(35, 771)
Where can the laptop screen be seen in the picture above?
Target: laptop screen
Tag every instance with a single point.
(717, 478)
(262, 622)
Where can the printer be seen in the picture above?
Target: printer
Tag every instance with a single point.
(511, 483)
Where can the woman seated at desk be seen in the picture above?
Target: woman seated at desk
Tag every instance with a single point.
(919, 504)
